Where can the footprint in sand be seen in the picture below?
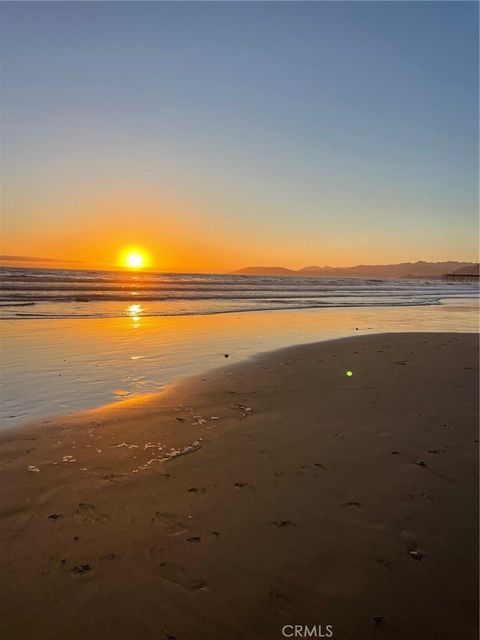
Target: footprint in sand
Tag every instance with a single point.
(383, 562)
(112, 476)
(309, 470)
(280, 600)
(88, 513)
(243, 485)
(170, 522)
(81, 568)
(176, 573)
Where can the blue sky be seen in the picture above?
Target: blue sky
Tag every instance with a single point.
(287, 133)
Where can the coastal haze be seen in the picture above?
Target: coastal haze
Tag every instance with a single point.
(239, 311)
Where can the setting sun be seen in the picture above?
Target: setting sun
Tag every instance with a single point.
(135, 258)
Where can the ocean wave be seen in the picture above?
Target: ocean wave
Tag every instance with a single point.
(74, 293)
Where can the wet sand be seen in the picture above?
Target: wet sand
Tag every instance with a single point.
(275, 492)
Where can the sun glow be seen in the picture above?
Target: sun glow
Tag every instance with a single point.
(135, 258)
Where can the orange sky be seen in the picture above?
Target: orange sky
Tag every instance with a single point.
(198, 236)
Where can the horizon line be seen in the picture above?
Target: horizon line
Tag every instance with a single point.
(117, 267)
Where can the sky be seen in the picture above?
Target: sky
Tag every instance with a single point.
(219, 135)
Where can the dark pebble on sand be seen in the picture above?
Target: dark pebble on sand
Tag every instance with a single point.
(54, 516)
(416, 554)
(421, 463)
(378, 620)
(226, 355)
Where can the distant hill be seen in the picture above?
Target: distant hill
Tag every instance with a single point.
(420, 269)
(265, 271)
(473, 270)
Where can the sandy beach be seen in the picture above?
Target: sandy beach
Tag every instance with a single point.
(266, 494)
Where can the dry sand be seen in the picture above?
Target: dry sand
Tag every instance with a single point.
(306, 502)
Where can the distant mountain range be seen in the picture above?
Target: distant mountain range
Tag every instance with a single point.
(420, 269)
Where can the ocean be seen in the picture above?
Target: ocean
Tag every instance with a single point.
(61, 293)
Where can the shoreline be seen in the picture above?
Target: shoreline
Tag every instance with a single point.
(442, 300)
(55, 367)
(271, 491)
(141, 401)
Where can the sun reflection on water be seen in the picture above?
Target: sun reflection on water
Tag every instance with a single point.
(135, 311)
